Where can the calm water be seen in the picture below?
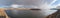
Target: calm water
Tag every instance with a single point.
(28, 13)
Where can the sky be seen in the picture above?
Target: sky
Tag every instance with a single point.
(51, 3)
(55, 4)
(42, 4)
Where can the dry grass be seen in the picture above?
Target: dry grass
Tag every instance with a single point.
(2, 12)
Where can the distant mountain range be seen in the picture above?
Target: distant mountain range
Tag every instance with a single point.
(53, 9)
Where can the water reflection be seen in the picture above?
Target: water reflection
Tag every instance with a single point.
(28, 13)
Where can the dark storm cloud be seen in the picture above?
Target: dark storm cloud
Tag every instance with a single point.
(23, 2)
(20, 2)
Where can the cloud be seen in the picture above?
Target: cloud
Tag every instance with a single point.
(54, 6)
(53, 2)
